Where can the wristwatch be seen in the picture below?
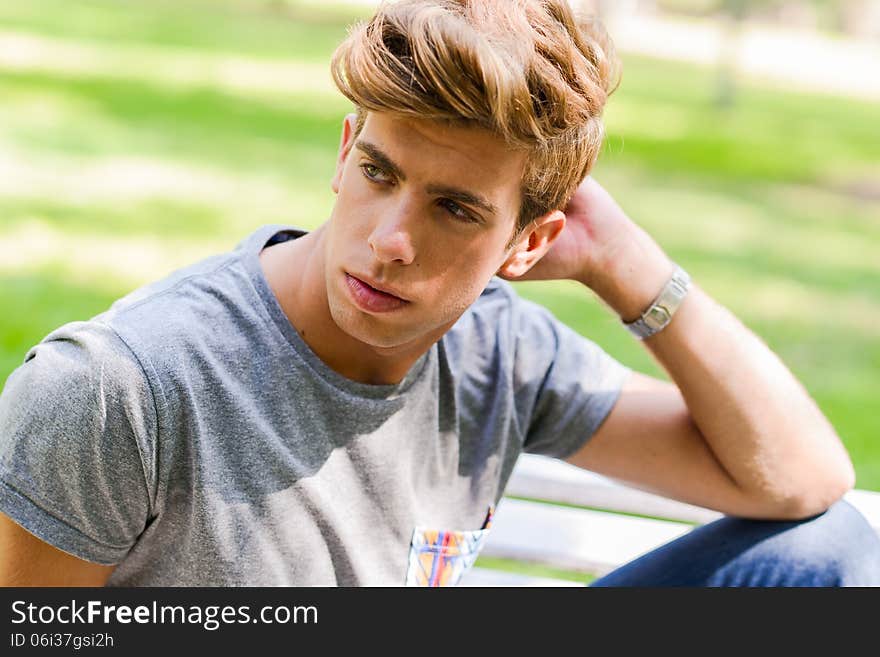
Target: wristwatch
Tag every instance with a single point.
(660, 312)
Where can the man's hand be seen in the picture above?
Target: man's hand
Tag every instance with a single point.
(605, 250)
(591, 235)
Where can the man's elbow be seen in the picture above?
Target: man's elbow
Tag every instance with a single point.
(819, 495)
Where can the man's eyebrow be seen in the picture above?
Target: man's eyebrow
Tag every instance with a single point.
(463, 196)
(381, 159)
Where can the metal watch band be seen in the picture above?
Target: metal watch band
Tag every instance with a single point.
(660, 312)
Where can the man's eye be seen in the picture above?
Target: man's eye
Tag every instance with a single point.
(374, 173)
(456, 210)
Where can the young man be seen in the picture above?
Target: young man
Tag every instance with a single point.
(335, 407)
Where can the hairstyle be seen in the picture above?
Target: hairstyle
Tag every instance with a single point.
(531, 71)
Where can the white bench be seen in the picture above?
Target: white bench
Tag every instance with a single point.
(554, 528)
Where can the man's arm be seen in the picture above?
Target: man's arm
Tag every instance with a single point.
(77, 429)
(737, 434)
(735, 431)
(25, 560)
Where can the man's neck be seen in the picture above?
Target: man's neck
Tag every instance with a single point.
(295, 273)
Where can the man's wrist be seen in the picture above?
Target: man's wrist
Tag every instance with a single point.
(660, 312)
(630, 279)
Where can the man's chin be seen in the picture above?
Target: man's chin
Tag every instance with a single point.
(368, 330)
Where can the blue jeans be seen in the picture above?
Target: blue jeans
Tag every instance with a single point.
(835, 548)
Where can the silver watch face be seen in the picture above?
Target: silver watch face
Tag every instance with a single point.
(660, 312)
(657, 317)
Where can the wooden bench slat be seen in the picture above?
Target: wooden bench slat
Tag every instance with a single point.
(544, 478)
(574, 539)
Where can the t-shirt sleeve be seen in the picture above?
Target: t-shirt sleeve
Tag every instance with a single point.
(566, 385)
(76, 420)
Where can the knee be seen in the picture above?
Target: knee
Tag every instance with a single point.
(835, 548)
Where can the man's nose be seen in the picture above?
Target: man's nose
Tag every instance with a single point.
(392, 237)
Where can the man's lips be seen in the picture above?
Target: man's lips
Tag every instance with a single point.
(382, 289)
(372, 299)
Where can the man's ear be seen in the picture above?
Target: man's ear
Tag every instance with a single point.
(533, 244)
(345, 144)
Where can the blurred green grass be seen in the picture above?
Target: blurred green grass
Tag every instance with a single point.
(137, 136)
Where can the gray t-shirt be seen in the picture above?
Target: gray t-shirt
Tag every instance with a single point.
(190, 436)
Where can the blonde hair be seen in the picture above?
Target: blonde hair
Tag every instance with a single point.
(531, 71)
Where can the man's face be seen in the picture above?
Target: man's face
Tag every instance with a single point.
(425, 211)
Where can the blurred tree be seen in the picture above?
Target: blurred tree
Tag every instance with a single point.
(734, 13)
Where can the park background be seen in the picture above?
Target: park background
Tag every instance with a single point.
(137, 136)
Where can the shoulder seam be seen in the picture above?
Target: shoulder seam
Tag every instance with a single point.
(223, 265)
